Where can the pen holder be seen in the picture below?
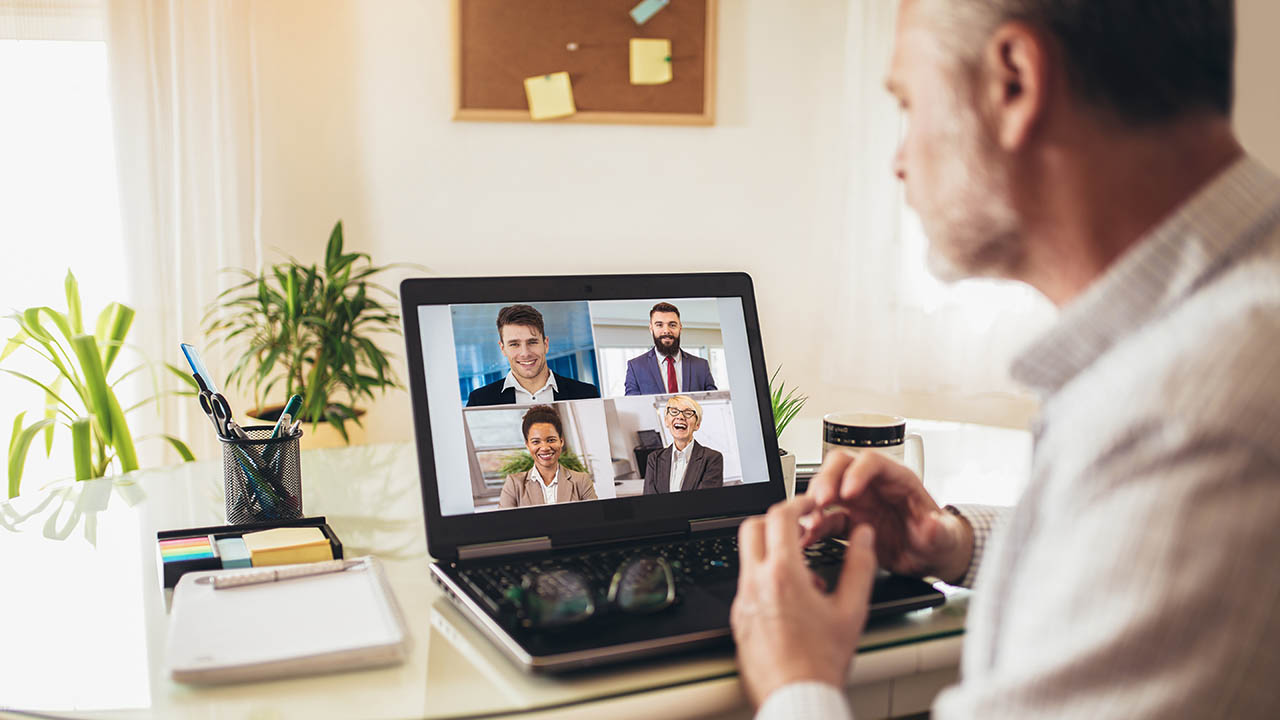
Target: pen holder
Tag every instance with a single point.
(262, 476)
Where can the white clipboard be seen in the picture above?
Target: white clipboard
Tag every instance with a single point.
(297, 626)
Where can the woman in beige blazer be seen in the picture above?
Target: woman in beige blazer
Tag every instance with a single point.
(547, 482)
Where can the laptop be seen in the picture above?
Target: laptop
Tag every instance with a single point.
(535, 495)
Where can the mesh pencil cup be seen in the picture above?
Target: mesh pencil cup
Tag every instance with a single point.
(262, 476)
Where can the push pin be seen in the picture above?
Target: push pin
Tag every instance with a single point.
(571, 46)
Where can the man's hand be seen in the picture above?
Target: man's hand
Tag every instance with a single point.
(786, 629)
(913, 535)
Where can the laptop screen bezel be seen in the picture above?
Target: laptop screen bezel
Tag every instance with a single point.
(606, 519)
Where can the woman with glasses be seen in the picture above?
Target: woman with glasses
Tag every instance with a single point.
(547, 482)
(684, 464)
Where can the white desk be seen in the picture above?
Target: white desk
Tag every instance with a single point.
(83, 620)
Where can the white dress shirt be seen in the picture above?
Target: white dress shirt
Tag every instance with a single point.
(549, 492)
(1137, 576)
(545, 395)
(662, 370)
(679, 463)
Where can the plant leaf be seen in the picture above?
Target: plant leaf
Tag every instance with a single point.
(175, 443)
(120, 437)
(73, 303)
(82, 448)
(334, 249)
(51, 401)
(95, 380)
(115, 336)
(18, 447)
(184, 375)
(17, 428)
(14, 343)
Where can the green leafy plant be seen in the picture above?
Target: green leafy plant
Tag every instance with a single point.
(81, 395)
(521, 462)
(786, 403)
(310, 330)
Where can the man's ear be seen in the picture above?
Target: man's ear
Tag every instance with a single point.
(1016, 78)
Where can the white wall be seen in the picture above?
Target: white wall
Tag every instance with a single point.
(356, 100)
(1257, 112)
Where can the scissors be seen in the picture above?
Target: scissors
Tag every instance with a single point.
(219, 411)
(211, 401)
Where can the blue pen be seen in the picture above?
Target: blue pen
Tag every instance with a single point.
(286, 415)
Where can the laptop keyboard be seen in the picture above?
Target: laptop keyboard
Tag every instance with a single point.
(701, 560)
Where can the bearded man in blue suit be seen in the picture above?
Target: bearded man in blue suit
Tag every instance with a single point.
(666, 368)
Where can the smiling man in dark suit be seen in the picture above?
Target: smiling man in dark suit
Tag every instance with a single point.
(523, 340)
(684, 464)
(666, 368)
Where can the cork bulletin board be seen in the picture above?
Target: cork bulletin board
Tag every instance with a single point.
(499, 43)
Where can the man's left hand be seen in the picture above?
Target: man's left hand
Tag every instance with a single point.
(786, 629)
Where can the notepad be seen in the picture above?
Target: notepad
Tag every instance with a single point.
(650, 61)
(287, 545)
(313, 624)
(550, 96)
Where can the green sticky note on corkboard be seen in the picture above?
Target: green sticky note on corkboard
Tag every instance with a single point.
(647, 9)
(550, 96)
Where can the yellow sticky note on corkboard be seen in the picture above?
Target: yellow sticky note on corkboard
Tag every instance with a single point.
(650, 61)
(550, 96)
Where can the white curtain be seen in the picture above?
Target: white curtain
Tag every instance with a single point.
(184, 103)
(904, 333)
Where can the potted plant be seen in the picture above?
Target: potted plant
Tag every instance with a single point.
(311, 331)
(80, 394)
(785, 404)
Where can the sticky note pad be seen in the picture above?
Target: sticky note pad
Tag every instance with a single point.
(286, 545)
(647, 9)
(234, 553)
(190, 548)
(550, 96)
(650, 61)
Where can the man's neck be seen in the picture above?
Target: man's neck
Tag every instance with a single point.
(536, 384)
(1087, 200)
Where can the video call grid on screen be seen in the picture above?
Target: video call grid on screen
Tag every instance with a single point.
(596, 341)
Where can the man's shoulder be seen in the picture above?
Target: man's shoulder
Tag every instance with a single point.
(693, 359)
(570, 389)
(1210, 364)
(641, 357)
(487, 394)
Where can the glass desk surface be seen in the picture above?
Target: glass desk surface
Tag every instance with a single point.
(85, 619)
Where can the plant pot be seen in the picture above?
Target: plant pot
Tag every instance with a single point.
(788, 472)
(322, 435)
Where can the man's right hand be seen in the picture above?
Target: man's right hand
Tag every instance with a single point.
(913, 535)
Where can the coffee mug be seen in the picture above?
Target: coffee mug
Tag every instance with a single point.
(857, 432)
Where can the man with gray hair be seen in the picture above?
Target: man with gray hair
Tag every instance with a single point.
(1083, 147)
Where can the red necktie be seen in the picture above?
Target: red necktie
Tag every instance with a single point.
(671, 376)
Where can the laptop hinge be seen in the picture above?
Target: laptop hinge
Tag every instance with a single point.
(716, 523)
(506, 547)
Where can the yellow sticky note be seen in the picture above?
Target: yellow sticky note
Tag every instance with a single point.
(550, 96)
(287, 545)
(650, 61)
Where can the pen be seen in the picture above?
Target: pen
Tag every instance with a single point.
(254, 577)
(286, 415)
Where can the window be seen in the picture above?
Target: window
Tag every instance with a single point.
(58, 198)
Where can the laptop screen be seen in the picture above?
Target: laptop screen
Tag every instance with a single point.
(553, 402)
